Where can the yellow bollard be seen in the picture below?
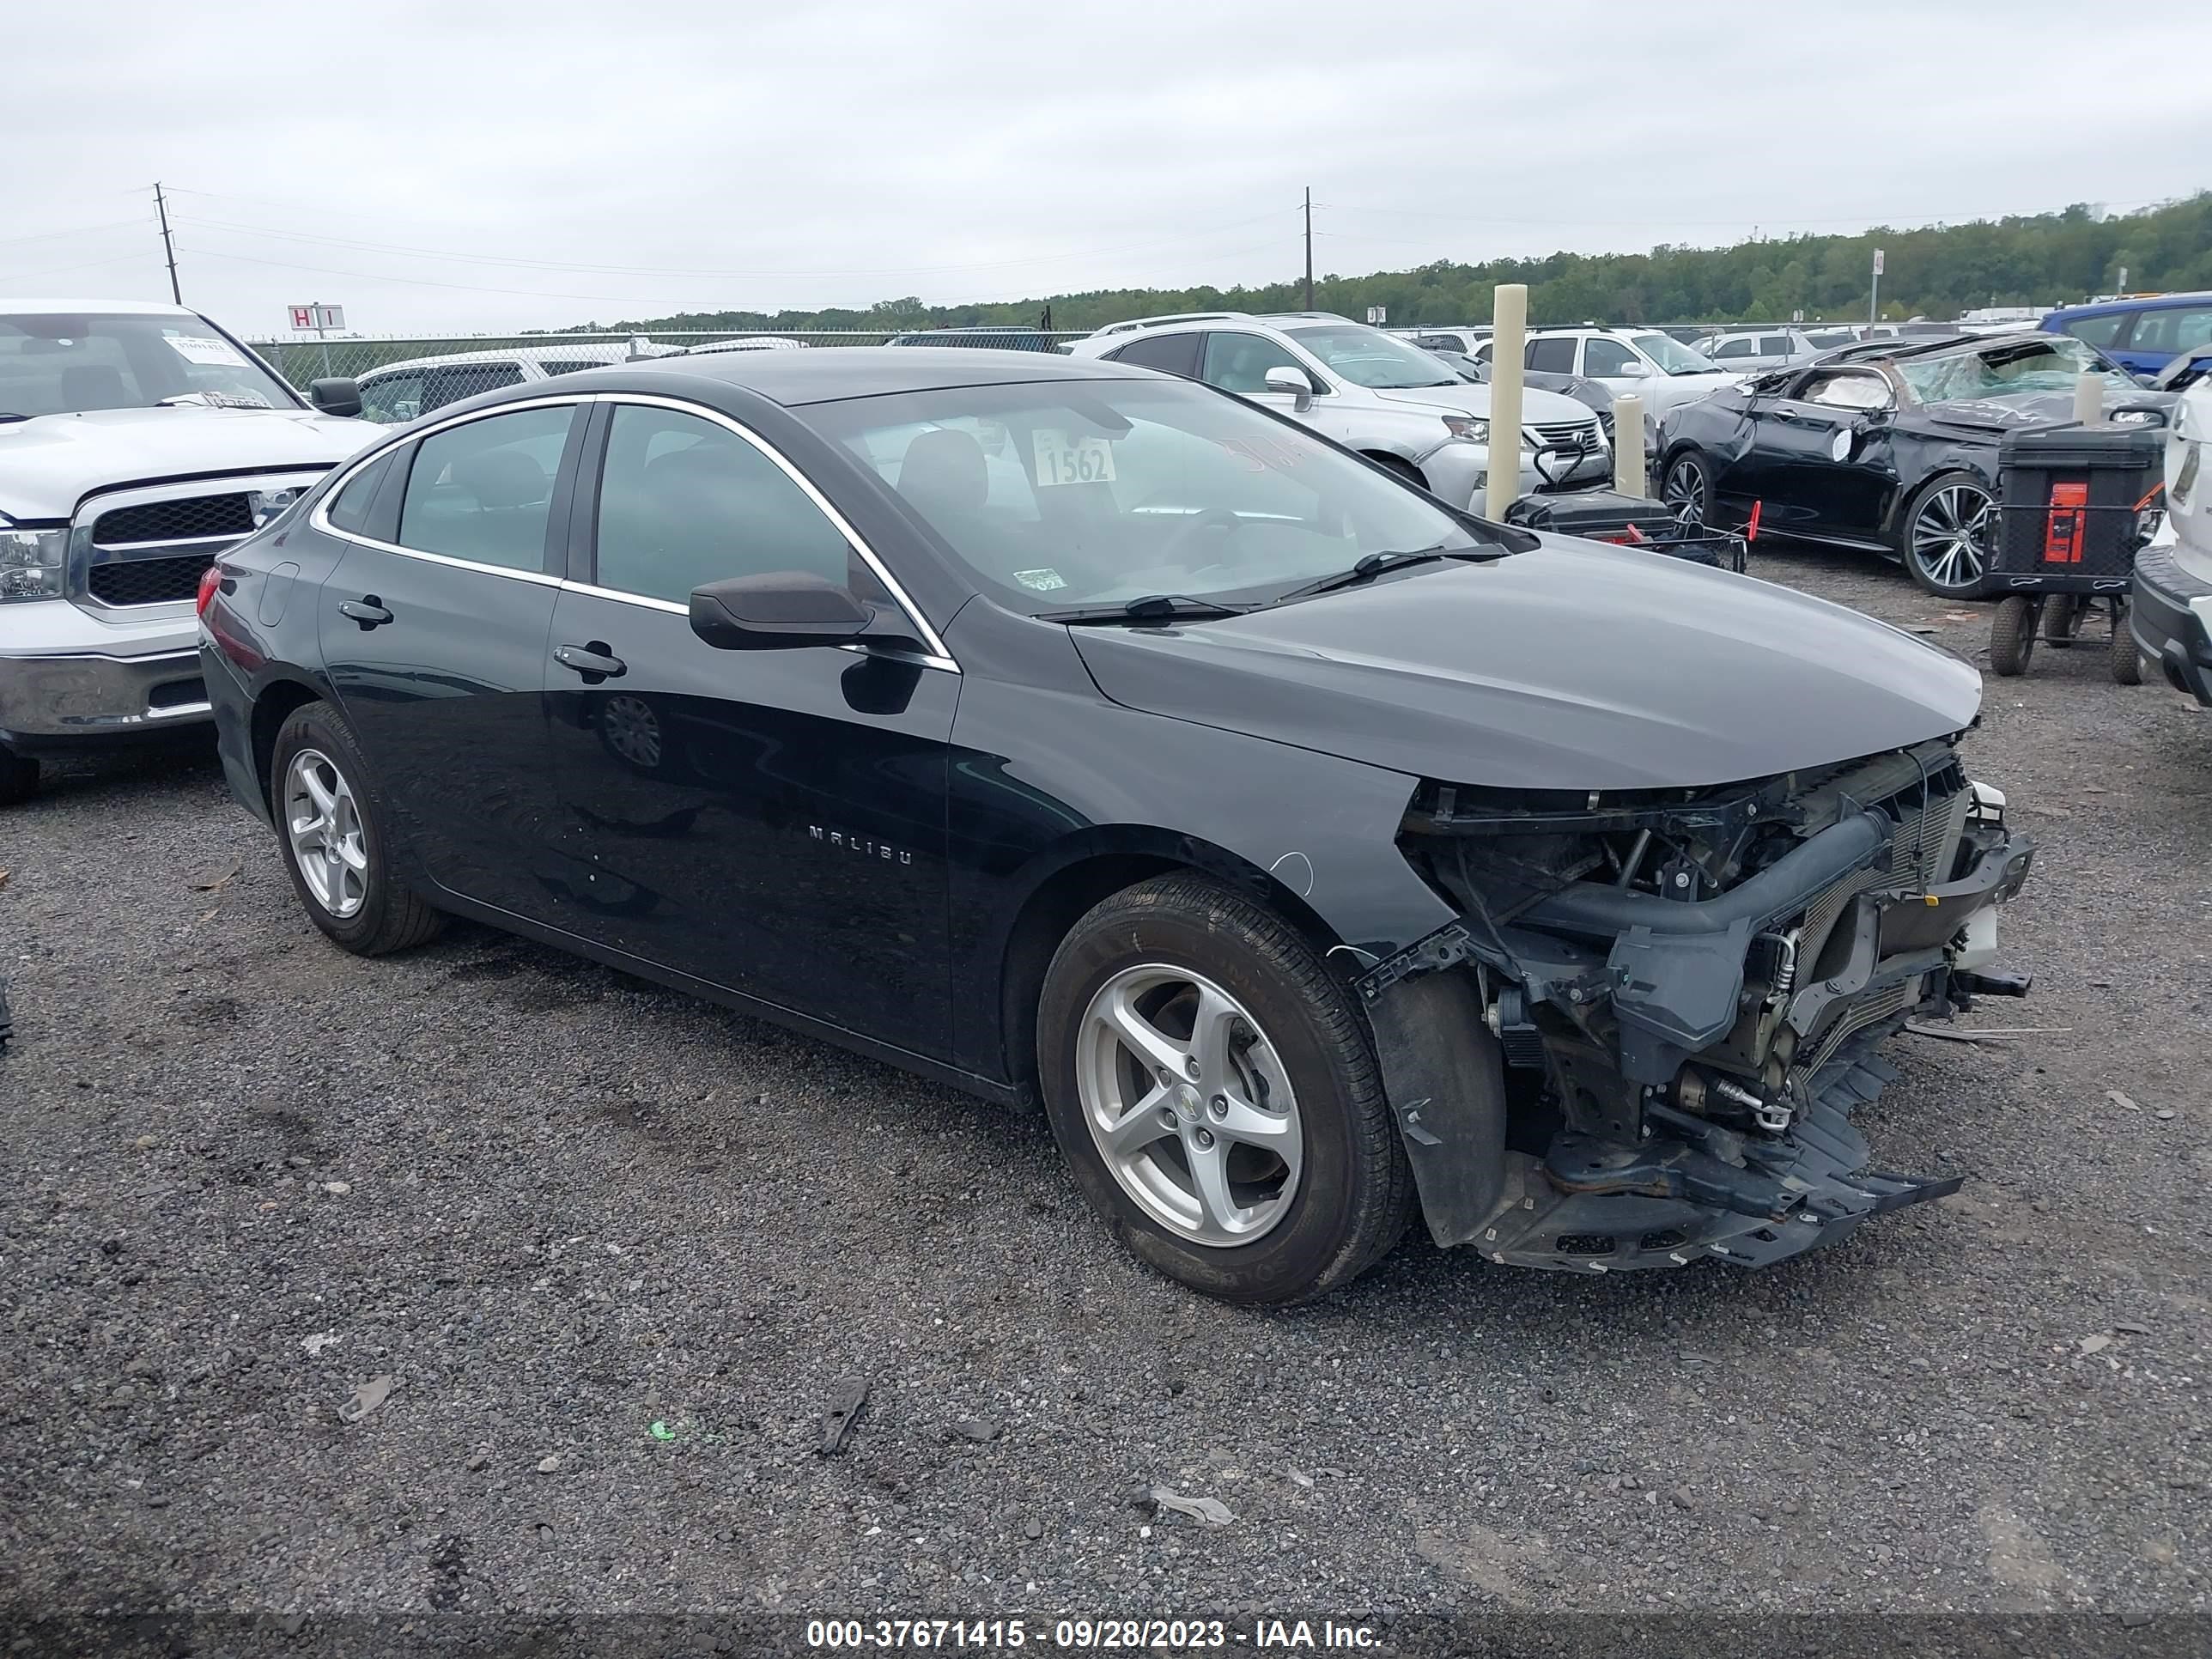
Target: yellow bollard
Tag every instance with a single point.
(1510, 317)
(1628, 446)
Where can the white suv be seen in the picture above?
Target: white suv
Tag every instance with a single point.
(1395, 404)
(400, 391)
(1641, 361)
(137, 442)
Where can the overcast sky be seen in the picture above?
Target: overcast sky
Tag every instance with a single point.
(483, 168)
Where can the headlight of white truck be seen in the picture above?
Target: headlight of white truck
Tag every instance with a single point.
(1466, 430)
(31, 564)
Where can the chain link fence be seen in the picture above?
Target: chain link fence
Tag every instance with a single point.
(403, 378)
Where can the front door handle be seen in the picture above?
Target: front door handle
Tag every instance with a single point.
(368, 610)
(1785, 414)
(593, 661)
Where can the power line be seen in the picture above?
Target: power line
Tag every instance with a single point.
(515, 293)
(86, 265)
(79, 230)
(512, 262)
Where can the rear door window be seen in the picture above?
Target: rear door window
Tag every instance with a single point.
(1553, 354)
(2104, 331)
(1175, 354)
(483, 491)
(1774, 345)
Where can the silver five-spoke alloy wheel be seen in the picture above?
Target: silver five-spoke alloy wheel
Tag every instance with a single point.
(1951, 533)
(1189, 1104)
(323, 822)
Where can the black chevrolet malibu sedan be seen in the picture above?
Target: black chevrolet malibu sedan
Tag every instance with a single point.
(1314, 854)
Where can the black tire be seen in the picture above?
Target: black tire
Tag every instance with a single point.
(2062, 614)
(1405, 469)
(2127, 661)
(390, 916)
(1686, 483)
(2012, 636)
(18, 778)
(1940, 494)
(1354, 1194)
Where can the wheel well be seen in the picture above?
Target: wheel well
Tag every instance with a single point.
(1061, 901)
(270, 710)
(1397, 464)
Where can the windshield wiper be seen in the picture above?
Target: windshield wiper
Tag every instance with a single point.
(10, 415)
(1371, 565)
(1152, 607)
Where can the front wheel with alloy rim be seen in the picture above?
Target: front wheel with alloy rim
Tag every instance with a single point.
(1688, 488)
(1214, 1091)
(1950, 530)
(334, 831)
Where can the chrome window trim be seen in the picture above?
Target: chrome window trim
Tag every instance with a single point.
(821, 504)
(319, 520)
(936, 657)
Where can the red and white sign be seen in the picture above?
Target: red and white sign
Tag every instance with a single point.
(317, 317)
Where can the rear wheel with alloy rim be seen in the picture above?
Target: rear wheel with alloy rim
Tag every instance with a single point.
(1216, 1094)
(1688, 488)
(334, 830)
(1948, 535)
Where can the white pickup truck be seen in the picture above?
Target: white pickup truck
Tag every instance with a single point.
(137, 442)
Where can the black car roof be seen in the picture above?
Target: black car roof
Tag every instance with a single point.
(827, 374)
(1924, 346)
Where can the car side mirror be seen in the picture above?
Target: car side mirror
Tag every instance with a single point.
(777, 612)
(1282, 378)
(1633, 371)
(338, 395)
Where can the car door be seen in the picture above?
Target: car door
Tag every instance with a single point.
(2160, 334)
(433, 626)
(1237, 362)
(769, 821)
(1821, 462)
(1615, 366)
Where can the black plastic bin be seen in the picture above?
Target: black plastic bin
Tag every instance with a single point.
(2072, 505)
(1606, 515)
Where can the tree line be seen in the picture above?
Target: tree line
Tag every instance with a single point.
(1938, 271)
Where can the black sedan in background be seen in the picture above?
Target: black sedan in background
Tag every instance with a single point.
(1069, 733)
(1888, 444)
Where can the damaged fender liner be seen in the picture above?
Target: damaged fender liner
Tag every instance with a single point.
(1700, 1090)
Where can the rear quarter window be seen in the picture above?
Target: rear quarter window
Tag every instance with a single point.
(2099, 331)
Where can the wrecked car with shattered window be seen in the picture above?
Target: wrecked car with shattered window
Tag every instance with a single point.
(1316, 855)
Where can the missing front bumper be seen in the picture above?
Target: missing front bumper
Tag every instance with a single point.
(1643, 1026)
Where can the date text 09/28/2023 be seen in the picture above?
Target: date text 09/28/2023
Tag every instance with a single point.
(1085, 1633)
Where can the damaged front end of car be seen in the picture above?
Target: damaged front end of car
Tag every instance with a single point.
(1685, 989)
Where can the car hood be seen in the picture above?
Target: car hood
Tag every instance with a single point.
(1578, 666)
(1538, 407)
(47, 465)
(2012, 410)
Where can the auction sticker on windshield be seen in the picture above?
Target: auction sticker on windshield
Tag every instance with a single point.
(197, 348)
(1062, 460)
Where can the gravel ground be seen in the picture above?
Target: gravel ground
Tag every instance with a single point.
(615, 1249)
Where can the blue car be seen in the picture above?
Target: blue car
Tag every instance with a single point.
(2144, 334)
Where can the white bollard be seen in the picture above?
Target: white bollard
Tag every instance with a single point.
(2089, 399)
(1509, 316)
(1628, 476)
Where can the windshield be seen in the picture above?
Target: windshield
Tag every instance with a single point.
(1064, 494)
(1368, 357)
(2050, 362)
(1672, 356)
(52, 364)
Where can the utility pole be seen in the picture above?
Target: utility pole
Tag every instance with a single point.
(162, 207)
(1309, 304)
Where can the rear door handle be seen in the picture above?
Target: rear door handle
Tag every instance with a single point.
(367, 611)
(594, 661)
